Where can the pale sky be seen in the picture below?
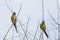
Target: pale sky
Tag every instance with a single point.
(33, 9)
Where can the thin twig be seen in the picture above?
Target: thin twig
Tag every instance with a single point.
(26, 28)
(43, 9)
(21, 27)
(54, 26)
(53, 18)
(42, 15)
(13, 34)
(42, 35)
(36, 31)
(32, 35)
(8, 6)
(7, 32)
(19, 9)
(58, 20)
(22, 34)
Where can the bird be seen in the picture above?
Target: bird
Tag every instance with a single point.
(14, 20)
(43, 28)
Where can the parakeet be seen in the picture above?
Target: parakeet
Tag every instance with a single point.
(14, 20)
(43, 28)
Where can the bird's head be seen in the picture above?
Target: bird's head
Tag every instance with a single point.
(43, 22)
(14, 13)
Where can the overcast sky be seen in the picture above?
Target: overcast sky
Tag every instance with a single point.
(33, 9)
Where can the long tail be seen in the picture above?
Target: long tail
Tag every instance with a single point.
(16, 28)
(46, 34)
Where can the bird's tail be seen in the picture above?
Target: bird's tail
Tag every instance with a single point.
(16, 28)
(46, 34)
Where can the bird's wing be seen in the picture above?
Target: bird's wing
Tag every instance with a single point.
(43, 26)
(13, 19)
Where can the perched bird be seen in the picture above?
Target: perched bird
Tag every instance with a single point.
(43, 28)
(14, 20)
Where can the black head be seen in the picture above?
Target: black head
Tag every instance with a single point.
(43, 22)
(14, 13)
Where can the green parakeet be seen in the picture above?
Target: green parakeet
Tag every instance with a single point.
(14, 19)
(43, 28)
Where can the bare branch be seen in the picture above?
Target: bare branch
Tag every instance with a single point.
(20, 35)
(7, 32)
(36, 31)
(26, 27)
(40, 36)
(22, 27)
(8, 6)
(43, 8)
(19, 9)
(13, 34)
(53, 18)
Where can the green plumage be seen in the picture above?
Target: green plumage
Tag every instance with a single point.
(13, 19)
(43, 27)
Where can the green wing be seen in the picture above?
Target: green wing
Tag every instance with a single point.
(43, 26)
(13, 19)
